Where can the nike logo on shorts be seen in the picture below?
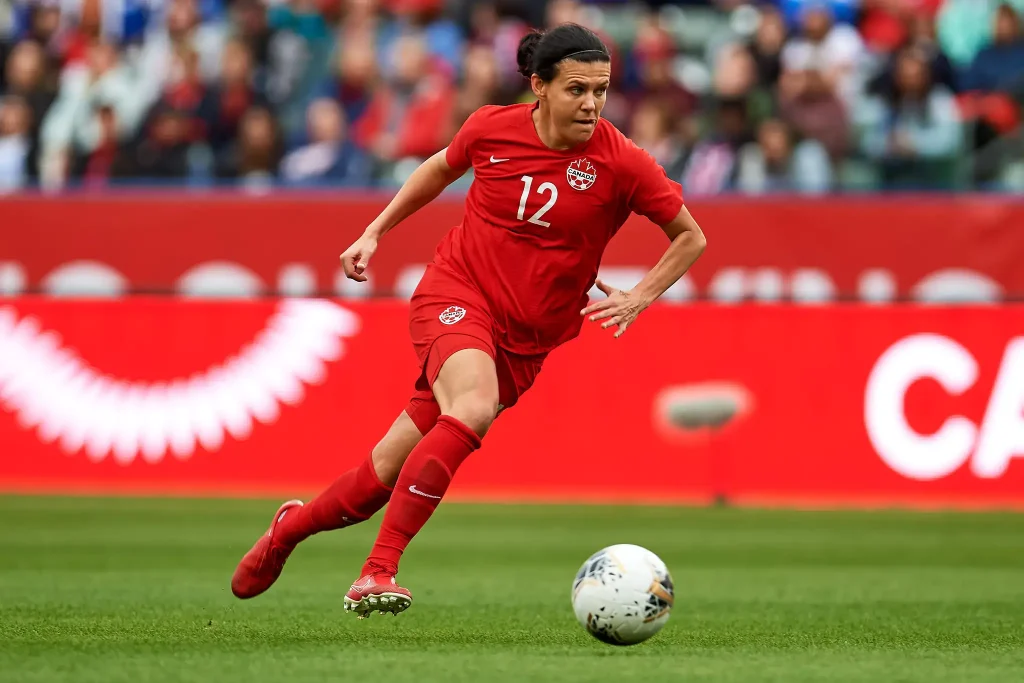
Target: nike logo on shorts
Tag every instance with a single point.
(497, 161)
(415, 490)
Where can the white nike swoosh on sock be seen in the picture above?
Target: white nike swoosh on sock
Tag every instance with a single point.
(415, 490)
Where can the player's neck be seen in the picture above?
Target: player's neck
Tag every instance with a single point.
(547, 132)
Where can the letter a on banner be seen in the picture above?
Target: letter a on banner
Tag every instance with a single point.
(1002, 431)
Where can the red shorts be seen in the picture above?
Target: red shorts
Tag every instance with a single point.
(448, 314)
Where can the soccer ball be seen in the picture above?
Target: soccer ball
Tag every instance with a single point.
(623, 594)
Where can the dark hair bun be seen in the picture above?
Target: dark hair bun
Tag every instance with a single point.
(540, 52)
(524, 55)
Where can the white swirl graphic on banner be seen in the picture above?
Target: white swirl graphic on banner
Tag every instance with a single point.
(49, 387)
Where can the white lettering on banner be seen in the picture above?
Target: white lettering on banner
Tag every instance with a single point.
(51, 388)
(1002, 431)
(928, 457)
(911, 454)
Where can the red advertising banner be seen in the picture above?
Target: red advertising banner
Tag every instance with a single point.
(836, 405)
(962, 248)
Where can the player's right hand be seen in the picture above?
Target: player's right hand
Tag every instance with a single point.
(357, 257)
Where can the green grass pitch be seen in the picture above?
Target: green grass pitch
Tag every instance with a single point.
(137, 590)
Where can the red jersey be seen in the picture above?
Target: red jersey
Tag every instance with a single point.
(538, 220)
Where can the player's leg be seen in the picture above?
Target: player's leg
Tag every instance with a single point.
(352, 498)
(466, 387)
(467, 392)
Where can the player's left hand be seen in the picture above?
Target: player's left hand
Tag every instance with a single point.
(620, 308)
(357, 257)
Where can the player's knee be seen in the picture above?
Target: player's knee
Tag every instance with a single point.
(387, 462)
(391, 452)
(476, 410)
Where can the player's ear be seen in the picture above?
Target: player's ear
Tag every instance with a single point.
(539, 86)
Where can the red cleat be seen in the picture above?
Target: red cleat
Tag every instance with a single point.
(261, 566)
(377, 592)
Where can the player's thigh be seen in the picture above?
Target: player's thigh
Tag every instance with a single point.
(394, 448)
(466, 387)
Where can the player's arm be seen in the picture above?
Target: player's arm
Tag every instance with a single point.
(687, 244)
(622, 307)
(422, 187)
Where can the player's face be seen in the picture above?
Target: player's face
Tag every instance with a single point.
(576, 97)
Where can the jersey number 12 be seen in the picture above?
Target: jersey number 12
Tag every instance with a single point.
(545, 187)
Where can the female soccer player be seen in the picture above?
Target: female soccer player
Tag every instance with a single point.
(552, 184)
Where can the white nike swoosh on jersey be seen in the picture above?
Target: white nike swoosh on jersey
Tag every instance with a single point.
(415, 490)
(497, 161)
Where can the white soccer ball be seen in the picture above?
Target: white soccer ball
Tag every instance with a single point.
(623, 594)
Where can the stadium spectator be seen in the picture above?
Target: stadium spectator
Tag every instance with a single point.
(258, 152)
(836, 51)
(73, 129)
(301, 45)
(15, 142)
(25, 76)
(409, 112)
(249, 25)
(993, 88)
(83, 28)
(329, 157)
(766, 47)
(185, 90)
(915, 133)
(736, 78)
(653, 53)
(442, 37)
(181, 43)
(652, 128)
(225, 103)
(965, 27)
(1000, 66)
(356, 73)
(480, 85)
(921, 35)
(809, 105)
(711, 167)
(499, 27)
(775, 164)
(887, 24)
(40, 21)
(159, 152)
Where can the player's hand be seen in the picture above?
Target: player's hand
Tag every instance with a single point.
(620, 308)
(357, 257)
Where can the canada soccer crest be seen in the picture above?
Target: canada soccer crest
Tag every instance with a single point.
(452, 315)
(581, 174)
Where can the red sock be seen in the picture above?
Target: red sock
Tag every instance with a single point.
(421, 485)
(353, 497)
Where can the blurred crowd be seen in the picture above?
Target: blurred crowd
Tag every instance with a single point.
(802, 96)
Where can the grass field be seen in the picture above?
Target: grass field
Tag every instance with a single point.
(137, 590)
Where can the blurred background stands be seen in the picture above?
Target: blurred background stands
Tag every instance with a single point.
(799, 96)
